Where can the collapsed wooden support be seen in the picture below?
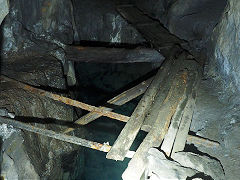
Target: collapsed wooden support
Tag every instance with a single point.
(66, 100)
(112, 55)
(171, 106)
(159, 129)
(119, 100)
(59, 136)
(131, 129)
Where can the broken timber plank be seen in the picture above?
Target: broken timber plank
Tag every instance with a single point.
(169, 139)
(160, 97)
(119, 100)
(190, 139)
(68, 101)
(62, 137)
(112, 55)
(183, 130)
(172, 130)
(130, 131)
(156, 135)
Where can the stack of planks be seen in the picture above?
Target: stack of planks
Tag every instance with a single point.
(166, 108)
(165, 111)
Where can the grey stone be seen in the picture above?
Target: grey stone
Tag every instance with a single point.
(15, 159)
(224, 54)
(97, 20)
(8, 169)
(161, 168)
(44, 71)
(4, 8)
(203, 164)
(26, 32)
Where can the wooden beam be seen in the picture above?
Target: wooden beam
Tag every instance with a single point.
(59, 136)
(151, 29)
(184, 106)
(197, 140)
(190, 139)
(129, 132)
(112, 55)
(67, 101)
(119, 100)
(156, 135)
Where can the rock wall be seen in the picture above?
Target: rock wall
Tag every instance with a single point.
(29, 23)
(28, 155)
(212, 29)
(3, 10)
(191, 20)
(52, 23)
(97, 20)
(224, 63)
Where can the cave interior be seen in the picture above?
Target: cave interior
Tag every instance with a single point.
(120, 89)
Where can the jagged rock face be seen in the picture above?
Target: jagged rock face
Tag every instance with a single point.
(44, 71)
(52, 23)
(225, 43)
(191, 20)
(98, 20)
(188, 19)
(31, 22)
(34, 156)
(3, 10)
(211, 26)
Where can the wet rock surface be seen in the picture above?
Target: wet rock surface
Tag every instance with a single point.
(190, 20)
(209, 166)
(224, 54)
(3, 10)
(23, 32)
(37, 71)
(99, 21)
(218, 120)
(35, 156)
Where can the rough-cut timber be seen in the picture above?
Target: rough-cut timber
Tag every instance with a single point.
(183, 130)
(67, 101)
(169, 139)
(156, 135)
(172, 130)
(59, 136)
(150, 29)
(118, 100)
(202, 141)
(160, 97)
(112, 55)
(129, 132)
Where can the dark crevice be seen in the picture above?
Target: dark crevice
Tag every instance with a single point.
(111, 45)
